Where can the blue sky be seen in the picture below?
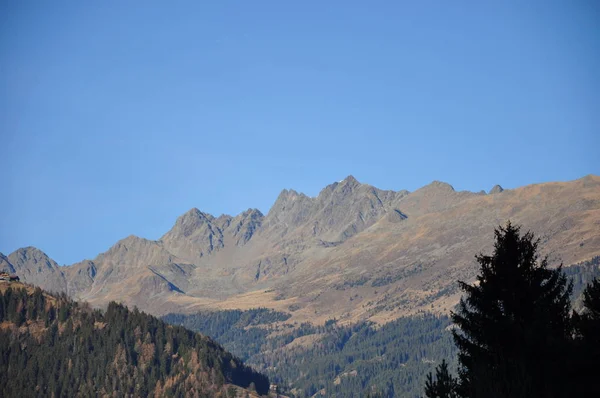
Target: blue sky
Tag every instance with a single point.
(117, 117)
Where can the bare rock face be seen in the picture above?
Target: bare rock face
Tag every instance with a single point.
(243, 226)
(340, 211)
(496, 189)
(290, 210)
(353, 252)
(194, 235)
(80, 277)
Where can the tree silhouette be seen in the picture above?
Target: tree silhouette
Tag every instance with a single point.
(513, 324)
(591, 314)
(444, 385)
(587, 344)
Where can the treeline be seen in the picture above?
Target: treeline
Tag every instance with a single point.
(345, 361)
(234, 328)
(357, 360)
(53, 346)
(516, 332)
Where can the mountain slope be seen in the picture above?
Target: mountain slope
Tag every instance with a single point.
(353, 252)
(53, 346)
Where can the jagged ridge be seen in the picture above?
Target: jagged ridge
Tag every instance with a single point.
(392, 252)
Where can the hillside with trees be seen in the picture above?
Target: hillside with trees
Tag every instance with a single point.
(339, 360)
(53, 346)
(353, 359)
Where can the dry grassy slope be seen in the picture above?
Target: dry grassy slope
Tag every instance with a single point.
(565, 215)
(429, 251)
(353, 252)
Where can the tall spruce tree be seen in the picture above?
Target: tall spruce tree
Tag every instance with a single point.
(513, 324)
(444, 385)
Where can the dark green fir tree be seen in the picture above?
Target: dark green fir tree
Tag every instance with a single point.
(443, 386)
(513, 324)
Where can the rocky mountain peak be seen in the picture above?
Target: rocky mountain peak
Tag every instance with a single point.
(290, 208)
(126, 246)
(188, 223)
(347, 185)
(351, 181)
(288, 195)
(194, 215)
(131, 240)
(439, 186)
(196, 234)
(253, 213)
(246, 224)
(496, 189)
(31, 254)
(35, 267)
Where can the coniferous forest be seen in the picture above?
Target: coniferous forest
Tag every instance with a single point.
(53, 346)
(344, 361)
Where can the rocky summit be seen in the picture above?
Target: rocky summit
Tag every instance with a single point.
(354, 252)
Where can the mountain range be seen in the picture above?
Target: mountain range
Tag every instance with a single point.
(354, 252)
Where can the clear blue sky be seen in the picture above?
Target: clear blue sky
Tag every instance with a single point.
(117, 117)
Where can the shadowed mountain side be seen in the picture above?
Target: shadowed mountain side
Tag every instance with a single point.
(5, 265)
(353, 252)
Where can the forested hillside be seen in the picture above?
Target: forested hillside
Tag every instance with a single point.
(53, 346)
(341, 361)
(351, 360)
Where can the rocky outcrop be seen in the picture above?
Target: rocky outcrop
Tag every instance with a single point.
(340, 211)
(195, 235)
(244, 226)
(496, 189)
(80, 277)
